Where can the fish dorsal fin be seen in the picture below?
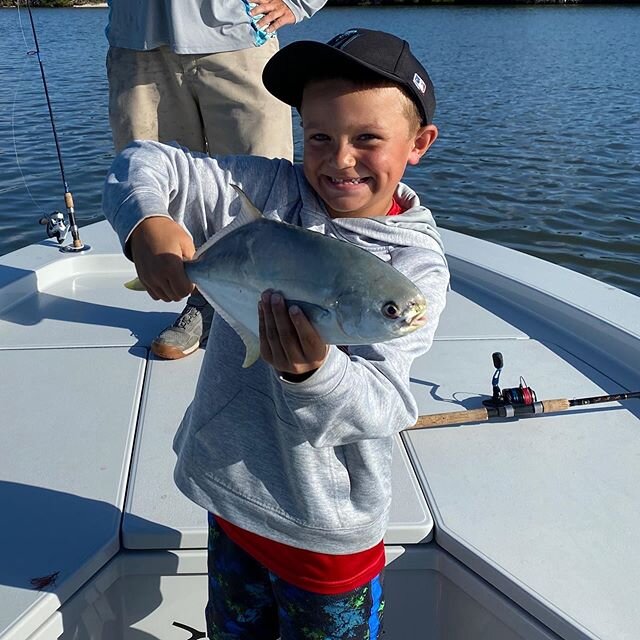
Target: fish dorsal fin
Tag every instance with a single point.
(248, 213)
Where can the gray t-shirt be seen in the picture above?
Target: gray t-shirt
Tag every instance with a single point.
(189, 26)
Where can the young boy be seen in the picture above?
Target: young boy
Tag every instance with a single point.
(292, 456)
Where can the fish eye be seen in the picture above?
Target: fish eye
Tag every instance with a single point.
(391, 310)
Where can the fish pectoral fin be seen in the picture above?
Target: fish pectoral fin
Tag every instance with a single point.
(249, 339)
(248, 213)
(135, 285)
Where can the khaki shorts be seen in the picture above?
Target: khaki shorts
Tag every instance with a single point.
(215, 103)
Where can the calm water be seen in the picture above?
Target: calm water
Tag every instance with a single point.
(538, 109)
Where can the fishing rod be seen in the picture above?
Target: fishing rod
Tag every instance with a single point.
(517, 402)
(56, 225)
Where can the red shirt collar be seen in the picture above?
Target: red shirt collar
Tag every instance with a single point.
(395, 208)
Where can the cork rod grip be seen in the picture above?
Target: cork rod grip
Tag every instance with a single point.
(553, 406)
(454, 417)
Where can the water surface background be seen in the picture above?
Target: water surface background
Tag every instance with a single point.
(538, 111)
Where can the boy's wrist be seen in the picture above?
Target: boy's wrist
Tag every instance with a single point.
(296, 377)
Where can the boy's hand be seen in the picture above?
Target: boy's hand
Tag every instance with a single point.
(159, 246)
(288, 341)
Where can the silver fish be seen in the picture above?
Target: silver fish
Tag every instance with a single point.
(349, 295)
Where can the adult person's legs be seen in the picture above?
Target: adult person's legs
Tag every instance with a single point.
(239, 115)
(149, 98)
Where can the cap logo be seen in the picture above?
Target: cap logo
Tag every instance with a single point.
(420, 83)
(343, 39)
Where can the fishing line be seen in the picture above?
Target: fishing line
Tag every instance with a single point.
(13, 117)
(522, 395)
(26, 45)
(13, 185)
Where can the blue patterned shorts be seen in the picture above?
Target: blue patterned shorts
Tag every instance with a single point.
(248, 601)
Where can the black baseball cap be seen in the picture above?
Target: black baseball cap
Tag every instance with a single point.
(384, 54)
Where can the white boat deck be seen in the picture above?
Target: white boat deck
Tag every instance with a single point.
(537, 519)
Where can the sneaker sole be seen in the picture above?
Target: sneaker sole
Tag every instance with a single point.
(167, 352)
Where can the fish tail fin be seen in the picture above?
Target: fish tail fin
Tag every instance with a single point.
(135, 285)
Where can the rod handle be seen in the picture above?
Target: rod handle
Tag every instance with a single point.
(553, 406)
(453, 417)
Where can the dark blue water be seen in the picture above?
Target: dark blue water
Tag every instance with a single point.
(538, 110)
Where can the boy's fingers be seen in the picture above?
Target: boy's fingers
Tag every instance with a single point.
(307, 335)
(286, 331)
(178, 288)
(178, 285)
(313, 347)
(160, 291)
(288, 341)
(187, 246)
(265, 347)
(165, 279)
(159, 246)
(269, 332)
(150, 283)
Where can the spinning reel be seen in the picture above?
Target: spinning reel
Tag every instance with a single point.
(57, 226)
(514, 397)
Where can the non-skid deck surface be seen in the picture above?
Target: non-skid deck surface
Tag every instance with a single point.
(68, 420)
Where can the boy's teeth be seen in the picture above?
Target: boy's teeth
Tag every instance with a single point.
(341, 181)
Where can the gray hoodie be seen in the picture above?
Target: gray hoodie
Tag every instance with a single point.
(307, 464)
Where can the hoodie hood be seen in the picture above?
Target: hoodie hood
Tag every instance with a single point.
(415, 227)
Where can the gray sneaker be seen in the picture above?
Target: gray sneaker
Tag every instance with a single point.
(188, 332)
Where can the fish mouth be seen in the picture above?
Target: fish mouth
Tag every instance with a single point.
(418, 318)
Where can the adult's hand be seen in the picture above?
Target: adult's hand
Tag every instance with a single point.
(276, 14)
(159, 246)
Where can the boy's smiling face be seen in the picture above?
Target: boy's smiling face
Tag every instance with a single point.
(357, 144)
